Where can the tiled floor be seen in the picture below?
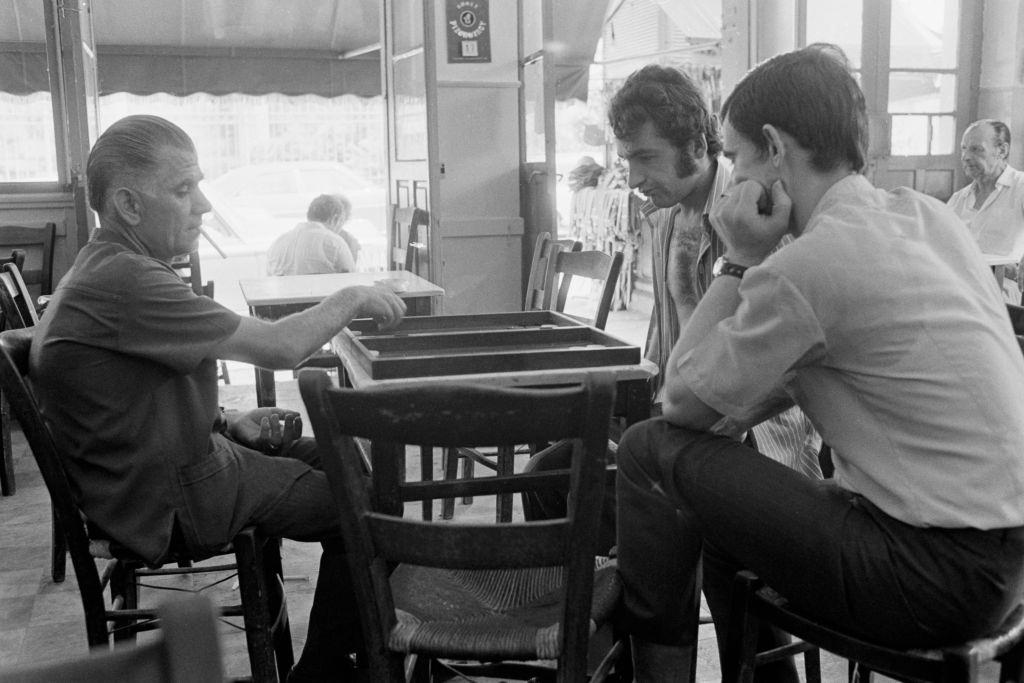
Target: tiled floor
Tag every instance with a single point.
(41, 620)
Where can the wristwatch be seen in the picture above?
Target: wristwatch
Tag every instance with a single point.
(724, 267)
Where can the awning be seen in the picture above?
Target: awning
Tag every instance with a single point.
(213, 46)
(319, 47)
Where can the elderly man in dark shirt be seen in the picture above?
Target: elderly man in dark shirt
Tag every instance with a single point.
(124, 366)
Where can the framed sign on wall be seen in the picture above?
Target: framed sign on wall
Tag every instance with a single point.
(469, 31)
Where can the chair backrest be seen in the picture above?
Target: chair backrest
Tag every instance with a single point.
(186, 650)
(432, 416)
(409, 240)
(190, 270)
(542, 268)
(598, 266)
(15, 346)
(15, 301)
(37, 242)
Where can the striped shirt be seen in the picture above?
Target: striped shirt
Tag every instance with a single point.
(789, 437)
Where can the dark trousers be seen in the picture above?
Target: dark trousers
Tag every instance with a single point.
(304, 509)
(832, 553)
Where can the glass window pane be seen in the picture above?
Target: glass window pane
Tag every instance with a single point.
(943, 135)
(533, 27)
(909, 135)
(923, 34)
(921, 92)
(410, 109)
(838, 22)
(28, 152)
(533, 94)
(408, 23)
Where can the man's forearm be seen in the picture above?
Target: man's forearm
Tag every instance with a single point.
(284, 343)
(681, 406)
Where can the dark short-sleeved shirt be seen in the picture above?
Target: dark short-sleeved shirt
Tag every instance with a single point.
(123, 369)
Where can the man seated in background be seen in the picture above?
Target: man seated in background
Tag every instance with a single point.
(883, 323)
(992, 206)
(124, 368)
(320, 244)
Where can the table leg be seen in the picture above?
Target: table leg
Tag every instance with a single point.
(266, 388)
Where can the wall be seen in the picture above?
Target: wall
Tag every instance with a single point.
(37, 209)
(477, 209)
(1001, 87)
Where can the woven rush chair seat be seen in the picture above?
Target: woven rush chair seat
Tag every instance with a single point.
(518, 596)
(473, 614)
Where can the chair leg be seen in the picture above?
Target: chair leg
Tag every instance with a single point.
(7, 486)
(451, 471)
(812, 665)
(58, 551)
(263, 605)
(740, 652)
(124, 594)
(506, 462)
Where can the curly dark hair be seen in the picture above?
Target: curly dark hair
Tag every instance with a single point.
(670, 100)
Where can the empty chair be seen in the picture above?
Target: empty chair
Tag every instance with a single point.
(601, 268)
(191, 271)
(37, 243)
(18, 312)
(187, 650)
(517, 592)
(538, 295)
(409, 240)
(542, 269)
(257, 557)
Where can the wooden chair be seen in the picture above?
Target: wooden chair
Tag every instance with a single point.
(18, 312)
(754, 602)
(542, 269)
(539, 283)
(187, 650)
(191, 271)
(409, 240)
(37, 268)
(514, 592)
(598, 266)
(257, 557)
(560, 267)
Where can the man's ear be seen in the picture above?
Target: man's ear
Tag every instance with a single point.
(127, 205)
(700, 146)
(775, 144)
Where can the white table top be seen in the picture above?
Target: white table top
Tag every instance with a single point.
(301, 289)
(1000, 259)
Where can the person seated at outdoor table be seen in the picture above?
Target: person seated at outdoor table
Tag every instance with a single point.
(318, 245)
(882, 322)
(124, 368)
(992, 205)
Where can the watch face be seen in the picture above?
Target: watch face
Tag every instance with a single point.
(716, 270)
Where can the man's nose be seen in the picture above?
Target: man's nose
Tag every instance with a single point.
(633, 177)
(203, 205)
